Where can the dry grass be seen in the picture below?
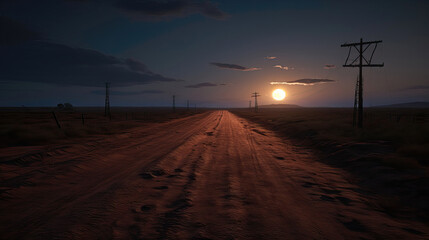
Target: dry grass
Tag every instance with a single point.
(406, 130)
(36, 126)
(388, 157)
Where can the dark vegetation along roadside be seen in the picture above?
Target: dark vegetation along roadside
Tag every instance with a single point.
(37, 126)
(389, 157)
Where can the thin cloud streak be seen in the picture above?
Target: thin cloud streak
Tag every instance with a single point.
(270, 58)
(283, 67)
(204, 84)
(304, 82)
(234, 67)
(329, 66)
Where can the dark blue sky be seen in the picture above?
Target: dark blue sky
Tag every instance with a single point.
(63, 51)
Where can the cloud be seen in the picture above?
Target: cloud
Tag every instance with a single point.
(46, 62)
(127, 93)
(304, 82)
(329, 66)
(234, 67)
(270, 58)
(13, 32)
(283, 67)
(204, 84)
(165, 8)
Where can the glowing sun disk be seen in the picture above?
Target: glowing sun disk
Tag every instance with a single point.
(279, 94)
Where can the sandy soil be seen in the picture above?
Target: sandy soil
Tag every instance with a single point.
(207, 176)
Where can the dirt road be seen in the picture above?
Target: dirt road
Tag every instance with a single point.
(207, 176)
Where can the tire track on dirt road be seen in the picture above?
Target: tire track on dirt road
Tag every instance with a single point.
(94, 180)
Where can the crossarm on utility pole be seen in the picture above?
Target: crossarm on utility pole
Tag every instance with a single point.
(357, 44)
(364, 65)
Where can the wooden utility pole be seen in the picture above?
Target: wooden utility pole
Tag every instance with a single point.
(356, 102)
(174, 103)
(56, 119)
(256, 95)
(250, 105)
(187, 105)
(361, 64)
(107, 101)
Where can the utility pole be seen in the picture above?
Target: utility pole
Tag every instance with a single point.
(250, 105)
(256, 95)
(174, 103)
(107, 101)
(361, 64)
(187, 105)
(356, 102)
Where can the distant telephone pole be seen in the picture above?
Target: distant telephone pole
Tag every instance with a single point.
(250, 105)
(359, 85)
(174, 103)
(256, 95)
(107, 101)
(187, 105)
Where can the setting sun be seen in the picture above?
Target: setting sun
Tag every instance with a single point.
(279, 94)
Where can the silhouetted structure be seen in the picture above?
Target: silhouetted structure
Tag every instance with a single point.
(187, 105)
(356, 102)
(256, 95)
(174, 103)
(250, 105)
(107, 101)
(56, 119)
(359, 84)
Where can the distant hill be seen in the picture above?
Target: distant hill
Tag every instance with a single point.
(406, 105)
(280, 106)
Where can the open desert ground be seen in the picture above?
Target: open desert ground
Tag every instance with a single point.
(207, 175)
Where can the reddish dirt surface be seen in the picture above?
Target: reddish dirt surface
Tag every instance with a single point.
(207, 176)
